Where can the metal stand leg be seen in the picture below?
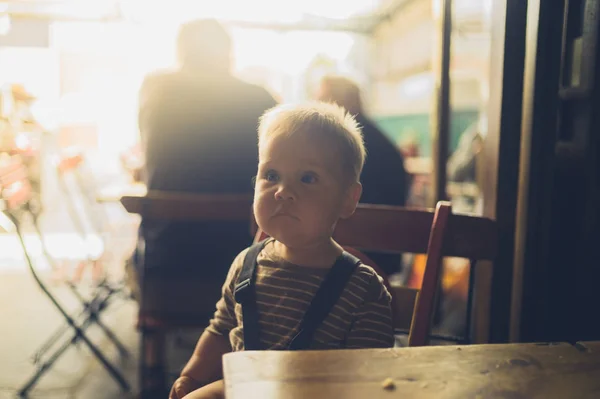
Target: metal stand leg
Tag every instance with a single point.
(91, 311)
(79, 331)
(79, 334)
(95, 306)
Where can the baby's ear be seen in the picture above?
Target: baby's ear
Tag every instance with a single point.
(351, 201)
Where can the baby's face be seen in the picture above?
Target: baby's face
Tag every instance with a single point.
(300, 194)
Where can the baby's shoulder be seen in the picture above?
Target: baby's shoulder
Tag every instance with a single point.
(364, 274)
(369, 282)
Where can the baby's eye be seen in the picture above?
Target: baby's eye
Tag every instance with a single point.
(271, 176)
(309, 178)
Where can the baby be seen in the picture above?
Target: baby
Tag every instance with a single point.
(297, 289)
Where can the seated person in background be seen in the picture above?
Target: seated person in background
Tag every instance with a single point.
(198, 135)
(461, 165)
(310, 159)
(383, 178)
(467, 162)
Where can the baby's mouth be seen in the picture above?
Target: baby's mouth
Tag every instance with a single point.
(284, 213)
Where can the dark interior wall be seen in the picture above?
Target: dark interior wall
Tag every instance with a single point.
(560, 264)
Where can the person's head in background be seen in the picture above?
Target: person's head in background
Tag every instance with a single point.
(204, 46)
(342, 91)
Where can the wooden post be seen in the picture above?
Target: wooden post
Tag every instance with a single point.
(440, 126)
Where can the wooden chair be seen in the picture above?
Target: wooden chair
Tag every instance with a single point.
(371, 228)
(439, 233)
(163, 300)
(436, 233)
(16, 202)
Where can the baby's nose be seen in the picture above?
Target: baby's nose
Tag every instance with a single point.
(284, 192)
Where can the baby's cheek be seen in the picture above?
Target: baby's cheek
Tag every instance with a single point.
(261, 210)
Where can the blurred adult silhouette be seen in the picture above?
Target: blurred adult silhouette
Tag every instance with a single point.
(383, 178)
(198, 134)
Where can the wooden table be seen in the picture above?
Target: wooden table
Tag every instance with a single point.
(509, 371)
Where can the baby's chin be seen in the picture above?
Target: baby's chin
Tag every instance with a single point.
(289, 239)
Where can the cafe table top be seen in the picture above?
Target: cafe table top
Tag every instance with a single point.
(507, 371)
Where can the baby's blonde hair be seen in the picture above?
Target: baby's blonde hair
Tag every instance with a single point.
(323, 120)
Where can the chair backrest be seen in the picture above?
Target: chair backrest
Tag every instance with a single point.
(437, 233)
(407, 230)
(15, 189)
(169, 303)
(162, 205)
(382, 228)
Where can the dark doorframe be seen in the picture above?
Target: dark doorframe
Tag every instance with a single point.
(558, 222)
(539, 126)
(502, 150)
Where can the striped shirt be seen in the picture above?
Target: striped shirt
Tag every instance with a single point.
(361, 318)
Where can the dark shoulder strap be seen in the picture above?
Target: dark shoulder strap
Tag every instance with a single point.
(245, 295)
(324, 300)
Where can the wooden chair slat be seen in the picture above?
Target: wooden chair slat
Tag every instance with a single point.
(394, 229)
(425, 307)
